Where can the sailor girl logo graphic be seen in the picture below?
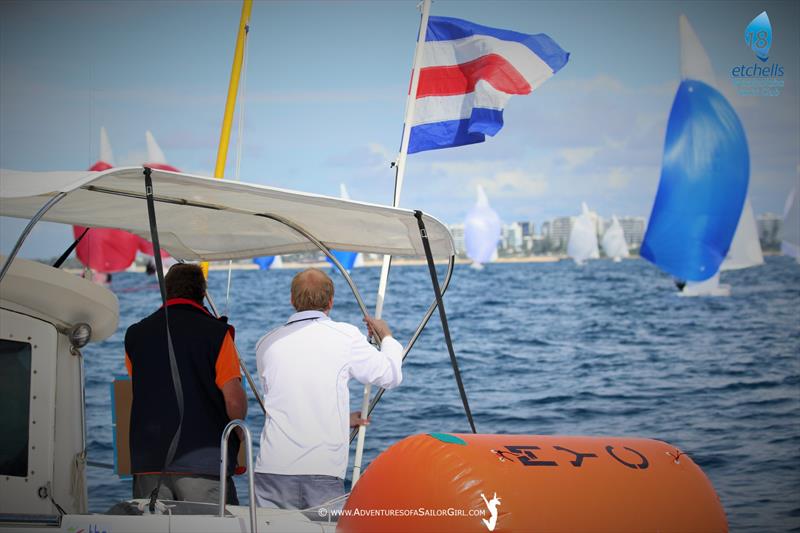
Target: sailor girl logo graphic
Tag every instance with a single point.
(758, 36)
(492, 505)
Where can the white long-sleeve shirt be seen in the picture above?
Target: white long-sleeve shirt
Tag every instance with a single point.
(304, 367)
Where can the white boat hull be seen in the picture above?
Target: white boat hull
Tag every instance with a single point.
(238, 521)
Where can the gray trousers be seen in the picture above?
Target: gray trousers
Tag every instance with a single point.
(296, 492)
(189, 487)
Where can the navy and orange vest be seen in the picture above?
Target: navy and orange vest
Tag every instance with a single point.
(197, 338)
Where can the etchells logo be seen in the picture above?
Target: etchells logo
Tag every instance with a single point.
(758, 36)
(758, 79)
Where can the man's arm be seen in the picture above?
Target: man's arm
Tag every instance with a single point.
(381, 368)
(229, 379)
(235, 399)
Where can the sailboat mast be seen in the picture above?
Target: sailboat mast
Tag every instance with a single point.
(400, 169)
(230, 102)
(233, 90)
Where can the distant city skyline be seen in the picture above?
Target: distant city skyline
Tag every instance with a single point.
(521, 237)
(325, 92)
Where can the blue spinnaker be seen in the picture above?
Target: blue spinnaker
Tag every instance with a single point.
(264, 262)
(347, 259)
(704, 178)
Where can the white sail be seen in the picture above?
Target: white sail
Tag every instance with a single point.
(695, 63)
(583, 238)
(358, 262)
(106, 155)
(154, 152)
(277, 262)
(614, 244)
(790, 231)
(745, 251)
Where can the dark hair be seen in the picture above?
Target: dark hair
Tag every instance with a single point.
(312, 290)
(186, 280)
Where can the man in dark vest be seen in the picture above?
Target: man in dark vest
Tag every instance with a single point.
(212, 394)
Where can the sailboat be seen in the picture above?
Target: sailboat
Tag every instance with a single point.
(790, 230)
(349, 260)
(704, 179)
(105, 250)
(582, 243)
(614, 244)
(481, 231)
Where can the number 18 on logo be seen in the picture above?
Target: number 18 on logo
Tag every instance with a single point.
(758, 36)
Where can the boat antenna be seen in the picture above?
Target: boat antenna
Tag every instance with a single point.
(399, 173)
(238, 161)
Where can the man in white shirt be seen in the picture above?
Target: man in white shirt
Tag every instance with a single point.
(305, 366)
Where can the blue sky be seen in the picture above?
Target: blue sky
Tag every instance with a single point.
(325, 95)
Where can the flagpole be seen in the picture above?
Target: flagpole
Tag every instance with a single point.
(400, 168)
(230, 102)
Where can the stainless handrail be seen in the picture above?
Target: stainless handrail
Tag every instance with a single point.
(223, 469)
(25, 232)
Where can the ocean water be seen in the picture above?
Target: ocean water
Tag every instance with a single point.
(604, 349)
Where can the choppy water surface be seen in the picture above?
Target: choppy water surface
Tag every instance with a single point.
(606, 349)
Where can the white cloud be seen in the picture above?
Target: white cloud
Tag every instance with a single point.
(514, 184)
(574, 157)
(619, 177)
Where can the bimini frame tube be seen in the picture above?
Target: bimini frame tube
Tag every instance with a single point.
(413, 340)
(302, 231)
(24, 235)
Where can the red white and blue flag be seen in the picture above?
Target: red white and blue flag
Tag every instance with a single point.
(467, 74)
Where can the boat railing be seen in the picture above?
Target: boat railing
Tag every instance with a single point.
(223, 469)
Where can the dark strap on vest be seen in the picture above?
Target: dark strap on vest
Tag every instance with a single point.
(173, 363)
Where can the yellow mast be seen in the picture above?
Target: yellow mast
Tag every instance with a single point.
(230, 104)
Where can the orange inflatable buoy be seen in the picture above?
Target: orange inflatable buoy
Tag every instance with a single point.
(500, 483)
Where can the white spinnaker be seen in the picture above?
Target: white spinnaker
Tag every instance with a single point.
(583, 238)
(614, 244)
(745, 250)
(482, 228)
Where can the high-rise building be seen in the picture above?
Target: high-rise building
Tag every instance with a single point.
(457, 231)
(769, 229)
(633, 227)
(512, 237)
(527, 228)
(559, 230)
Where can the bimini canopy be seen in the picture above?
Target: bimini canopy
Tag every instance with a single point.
(208, 219)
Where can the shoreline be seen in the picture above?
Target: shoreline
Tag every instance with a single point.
(370, 263)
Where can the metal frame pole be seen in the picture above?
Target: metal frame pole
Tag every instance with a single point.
(25, 232)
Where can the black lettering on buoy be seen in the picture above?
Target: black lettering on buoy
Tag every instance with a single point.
(641, 466)
(527, 457)
(579, 457)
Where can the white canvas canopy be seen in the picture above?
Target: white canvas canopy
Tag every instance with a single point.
(208, 219)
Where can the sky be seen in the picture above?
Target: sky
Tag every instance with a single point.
(324, 95)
